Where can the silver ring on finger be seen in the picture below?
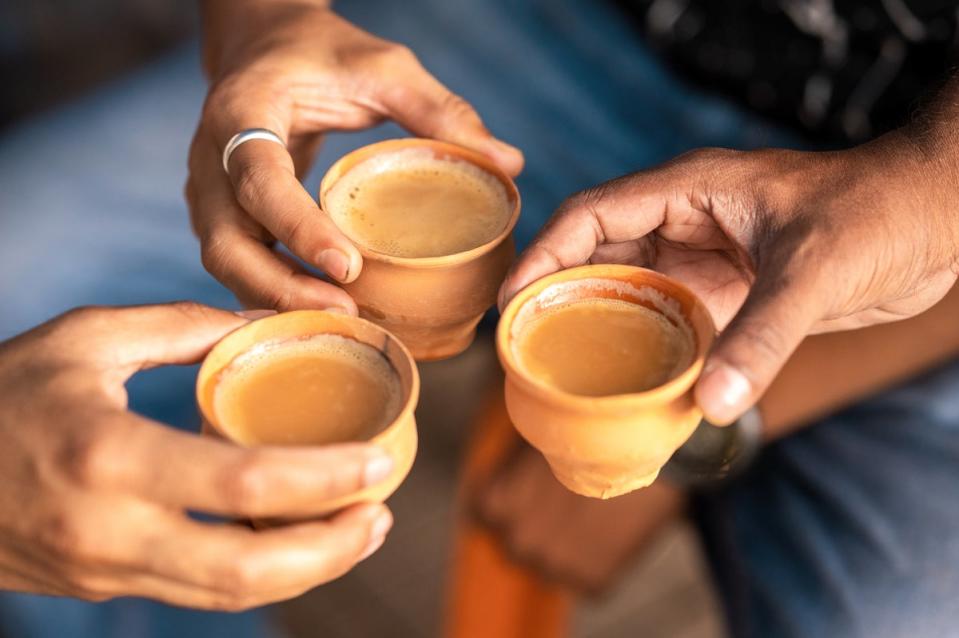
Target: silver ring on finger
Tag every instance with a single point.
(245, 136)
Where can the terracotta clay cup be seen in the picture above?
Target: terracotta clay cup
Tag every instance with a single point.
(431, 303)
(398, 439)
(604, 446)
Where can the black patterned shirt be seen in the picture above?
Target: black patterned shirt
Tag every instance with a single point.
(840, 70)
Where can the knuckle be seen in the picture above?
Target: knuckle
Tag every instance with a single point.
(585, 205)
(214, 252)
(586, 198)
(195, 155)
(253, 92)
(251, 183)
(214, 101)
(244, 486)
(88, 587)
(245, 574)
(398, 93)
(710, 155)
(195, 314)
(457, 107)
(282, 297)
(590, 198)
(89, 458)
(86, 315)
(237, 583)
(220, 100)
(336, 483)
(67, 537)
(233, 602)
(570, 203)
(192, 310)
(396, 52)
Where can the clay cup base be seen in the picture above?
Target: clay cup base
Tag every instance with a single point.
(583, 482)
(432, 343)
(398, 439)
(604, 446)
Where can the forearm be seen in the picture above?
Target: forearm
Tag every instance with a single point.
(934, 131)
(830, 371)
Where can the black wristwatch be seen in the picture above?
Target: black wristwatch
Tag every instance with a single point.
(714, 454)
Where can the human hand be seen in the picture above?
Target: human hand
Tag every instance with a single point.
(94, 498)
(777, 243)
(298, 69)
(584, 543)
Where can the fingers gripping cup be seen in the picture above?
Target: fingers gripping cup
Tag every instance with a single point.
(600, 363)
(314, 378)
(434, 224)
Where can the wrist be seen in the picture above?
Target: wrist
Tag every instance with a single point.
(714, 454)
(912, 174)
(936, 172)
(934, 134)
(228, 25)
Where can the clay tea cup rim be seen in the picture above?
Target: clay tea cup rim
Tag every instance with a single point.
(442, 149)
(703, 331)
(297, 324)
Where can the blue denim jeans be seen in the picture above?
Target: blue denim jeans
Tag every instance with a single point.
(846, 529)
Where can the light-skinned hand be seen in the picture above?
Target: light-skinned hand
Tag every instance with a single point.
(94, 498)
(298, 69)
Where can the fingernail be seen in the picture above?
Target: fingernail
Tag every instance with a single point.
(377, 469)
(335, 263)
(381, 525)
(375, 543)
(501, 147)
(723, 393)
(257, 313)
(378, 531)
(512, 149)
(338, 310)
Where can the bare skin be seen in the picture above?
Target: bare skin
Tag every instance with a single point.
(522, 500)
(724, 222)
(298, 69)
(93, 498)
(552, 530)
(778, 244)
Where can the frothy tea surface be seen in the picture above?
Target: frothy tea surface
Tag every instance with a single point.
(410, 203)
(314, 391)
(601, 347)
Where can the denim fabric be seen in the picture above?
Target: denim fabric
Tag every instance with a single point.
(92, 212)
(848, 528)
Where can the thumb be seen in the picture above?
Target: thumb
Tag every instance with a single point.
(748, 355)
(426, 108)
(181, 333)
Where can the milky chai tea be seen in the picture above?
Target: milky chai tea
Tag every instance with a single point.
(411, 203)
(602, 347)
(317, 390)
